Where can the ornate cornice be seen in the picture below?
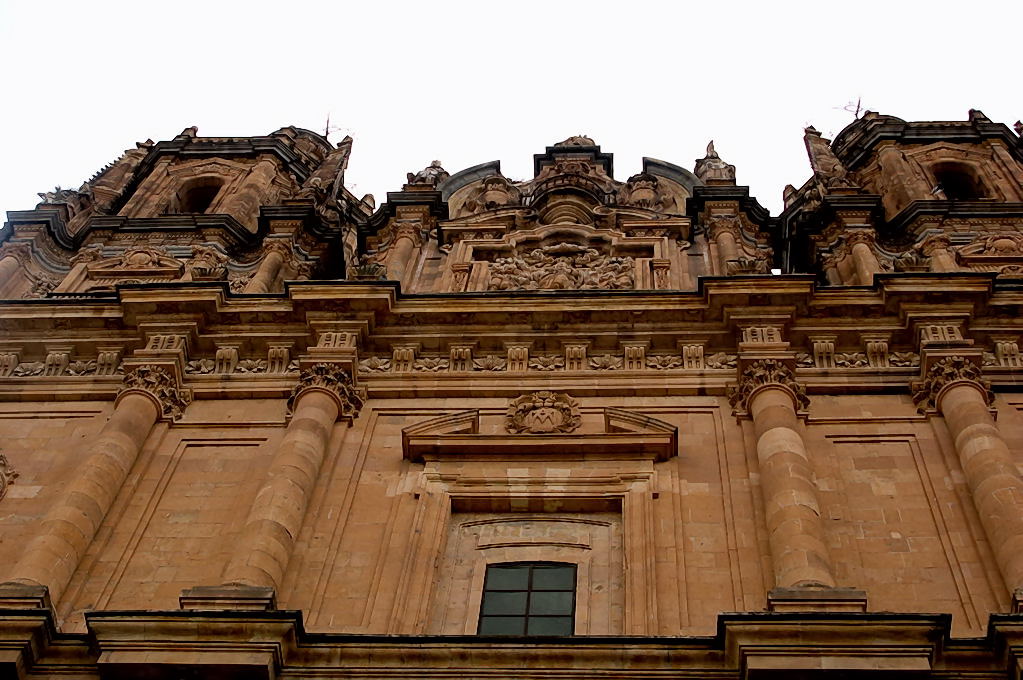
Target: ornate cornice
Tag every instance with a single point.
(160, 385)
(334, 381)
(765, 372)
(942, 375)
(542, 413)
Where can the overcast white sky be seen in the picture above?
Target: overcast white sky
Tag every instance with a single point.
(469, 82)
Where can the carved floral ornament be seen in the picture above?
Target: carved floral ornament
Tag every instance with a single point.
(335, 381)
(542, 413)
(160, 385)
(760, 374)
(945, 373)
(7, 475)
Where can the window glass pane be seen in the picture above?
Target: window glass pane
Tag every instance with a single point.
(506, 603)
(549, 625)
(501, 625)
(553, 578)
(549, 603)
(508, 578)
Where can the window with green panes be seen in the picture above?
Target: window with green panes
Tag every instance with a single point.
(528, 598)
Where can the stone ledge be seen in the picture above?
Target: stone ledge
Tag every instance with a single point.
(233, 597)
(24, 596)
(810, 599)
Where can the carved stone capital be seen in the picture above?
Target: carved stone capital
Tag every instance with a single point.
(7, 475)
(277, 245)
(160, 385)
(934, 243)
(19, 250)
(864, 236)
(762, 373)
(943, 374)
(542, 413)
(723, 224)
(333, 380)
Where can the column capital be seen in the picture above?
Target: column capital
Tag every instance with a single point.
(763, 373)
(333, 380)
(944, 373)
(158, 384)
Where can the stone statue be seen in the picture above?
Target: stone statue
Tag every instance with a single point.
(826, 166)
(712, 167)
(577, 140)
(326, 183)
(431, 175)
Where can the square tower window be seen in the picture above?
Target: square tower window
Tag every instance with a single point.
(528, 598)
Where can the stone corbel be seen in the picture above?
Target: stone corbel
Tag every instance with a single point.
(108, 359)
(576, 356)
(518, 356)
(9, 360)
(876, 349)
(278, 358)
(823, 347)
(57, 359)
(460, 357)
(403, 357)
(692, 356)
(226, 359)
(634, 355)
(1007, 350)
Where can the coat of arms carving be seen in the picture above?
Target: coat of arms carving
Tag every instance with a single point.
(542, 413)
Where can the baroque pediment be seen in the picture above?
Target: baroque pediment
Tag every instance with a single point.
(624, 434)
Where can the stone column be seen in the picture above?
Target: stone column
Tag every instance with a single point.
(324, 393)
(9, 267)
(938, 247)
(954, 387)
(768, 392)
(243, 204)
(863, 256)
(724, 232)
(269, 269)
(406, 236)
(51, 558)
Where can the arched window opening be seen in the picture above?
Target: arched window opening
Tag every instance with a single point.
(198, 195)
(528, 598)
(957, 182)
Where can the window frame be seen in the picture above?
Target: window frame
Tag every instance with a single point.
(527, 616)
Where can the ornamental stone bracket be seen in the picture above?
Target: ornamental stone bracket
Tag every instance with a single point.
(333, 380)
(762, 373)
(161, 383)
(942, 370)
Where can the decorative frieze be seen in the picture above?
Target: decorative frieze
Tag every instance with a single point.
(945, 372)
(721, 360)
(430, 364)
(332, 379)
(374, 365)
(663, 362)
(766, 372)
(542, 413)
(851, 360)
(160, 385)
(547, 362)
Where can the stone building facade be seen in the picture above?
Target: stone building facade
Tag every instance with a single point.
(253, 426)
